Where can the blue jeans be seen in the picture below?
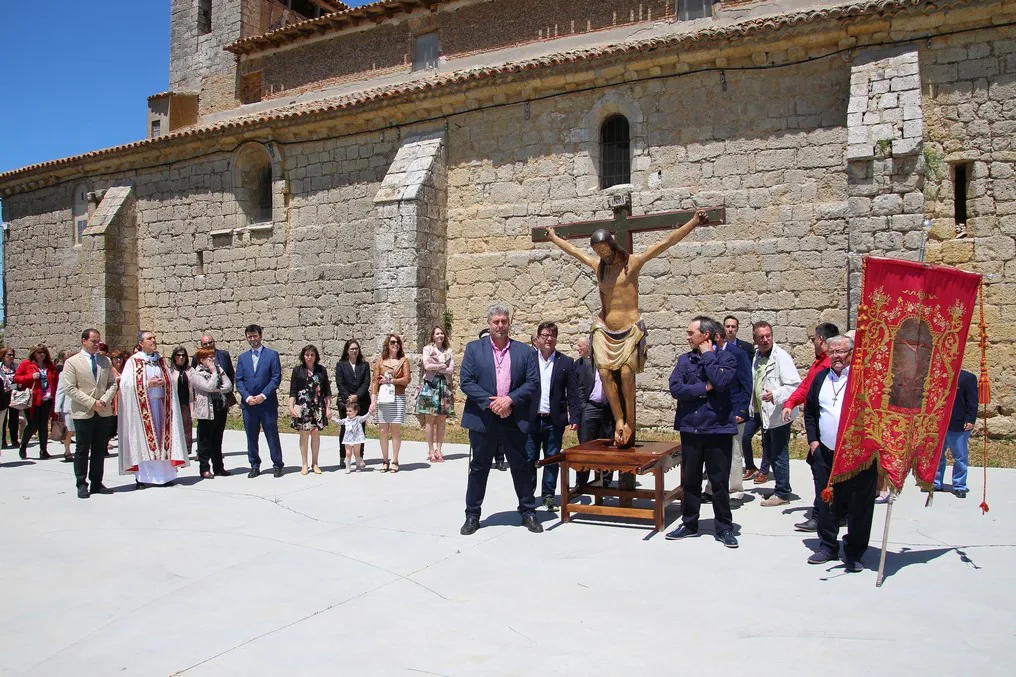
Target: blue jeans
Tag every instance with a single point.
(543, 433)
(776, 449)
(957, 443)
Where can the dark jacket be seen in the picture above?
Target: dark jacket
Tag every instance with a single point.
(352, 379)
(748, 348)
(740, 387)
(811, 405)
(584, 379)
(300, 377)
(478, 380)
(699, 411)
(565, 405)
(965, 405)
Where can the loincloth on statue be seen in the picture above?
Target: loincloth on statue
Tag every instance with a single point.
(615, 349)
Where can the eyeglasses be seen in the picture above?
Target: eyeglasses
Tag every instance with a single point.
(547, 336)
(839, 352)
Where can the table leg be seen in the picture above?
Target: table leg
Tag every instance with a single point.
(658, 504)
(565, 490)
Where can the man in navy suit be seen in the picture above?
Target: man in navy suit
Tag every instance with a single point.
(258, 374)
(500, 379)
(555, 406)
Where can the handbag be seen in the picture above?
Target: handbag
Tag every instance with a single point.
(21, 399)
(386, 393)
(57, 430)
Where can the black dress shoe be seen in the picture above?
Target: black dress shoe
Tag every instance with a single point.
(101, 489)
(23, 453)
(83, 492)
(960, 493)
(470, 526)
(821, 557)
(727, 538)
(530, 522)
(278, 472)
(680, 532)
(222, 473)
(44, 456)
(707, 498)
(254, 472)
(502, 465)
(807, 525)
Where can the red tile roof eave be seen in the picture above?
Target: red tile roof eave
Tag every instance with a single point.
(747, 29)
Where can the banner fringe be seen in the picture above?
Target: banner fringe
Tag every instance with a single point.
(984, 397)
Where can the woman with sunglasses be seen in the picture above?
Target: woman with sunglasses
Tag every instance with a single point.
(38, 374)
(180, 373)
(9, 418)
(391, 368)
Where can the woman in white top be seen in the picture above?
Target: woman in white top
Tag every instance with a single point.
(435, 398)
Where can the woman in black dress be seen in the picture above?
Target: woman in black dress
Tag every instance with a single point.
(352, 377)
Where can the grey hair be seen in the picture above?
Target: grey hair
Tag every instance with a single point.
(499, 309)
(708, 325)
(141, 334)
(841, 339)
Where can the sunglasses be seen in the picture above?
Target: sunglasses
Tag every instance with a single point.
(393, 342)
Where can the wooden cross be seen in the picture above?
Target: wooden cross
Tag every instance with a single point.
(623, 225)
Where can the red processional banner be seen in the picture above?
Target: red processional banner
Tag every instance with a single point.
(912, 324)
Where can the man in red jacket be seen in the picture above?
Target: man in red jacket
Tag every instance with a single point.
(823, 333)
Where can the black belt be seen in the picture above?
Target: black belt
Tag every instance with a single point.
(544, 415)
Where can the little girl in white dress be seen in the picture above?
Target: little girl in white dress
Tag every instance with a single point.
(353, 437)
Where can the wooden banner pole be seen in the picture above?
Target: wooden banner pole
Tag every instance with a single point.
(885, 539)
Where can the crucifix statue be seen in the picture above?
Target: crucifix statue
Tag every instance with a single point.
(618, 335)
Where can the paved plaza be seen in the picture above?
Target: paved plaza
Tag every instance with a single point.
(366, 574)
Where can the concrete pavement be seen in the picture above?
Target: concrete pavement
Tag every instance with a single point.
(366, 574)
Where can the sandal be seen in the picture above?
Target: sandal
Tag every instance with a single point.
(394, 467)
(385, 465)
(761, 478)
(360, 465)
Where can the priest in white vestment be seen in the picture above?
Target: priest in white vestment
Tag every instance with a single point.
(151, 434)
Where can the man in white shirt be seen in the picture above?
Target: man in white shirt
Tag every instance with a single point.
(853, 498)
(555, 406)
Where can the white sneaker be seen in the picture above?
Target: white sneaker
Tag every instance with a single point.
(349, 468)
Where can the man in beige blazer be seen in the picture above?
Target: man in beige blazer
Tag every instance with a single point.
(88, 380)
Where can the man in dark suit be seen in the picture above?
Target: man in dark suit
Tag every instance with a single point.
(499, 378)
(730, 328)
(258, 374)
(555, 405)
(596, 422)
(853, 498)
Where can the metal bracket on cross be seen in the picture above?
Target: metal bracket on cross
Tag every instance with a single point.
(623, 225)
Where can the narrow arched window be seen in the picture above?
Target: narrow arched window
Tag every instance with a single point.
(615, 151)
(911, 361)
(79, 211)
(253, 183)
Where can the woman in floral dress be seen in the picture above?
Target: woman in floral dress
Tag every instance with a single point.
(310, 404)
(435, 398)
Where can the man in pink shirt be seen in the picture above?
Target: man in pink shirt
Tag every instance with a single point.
(500, 380)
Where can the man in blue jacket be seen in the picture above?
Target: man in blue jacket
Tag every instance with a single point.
(258, 374)
(957, 437)
(701, 384)
(500, 379)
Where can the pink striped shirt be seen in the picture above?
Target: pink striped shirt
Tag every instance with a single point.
(502, 368)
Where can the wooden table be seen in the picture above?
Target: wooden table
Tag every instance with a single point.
(600, 455)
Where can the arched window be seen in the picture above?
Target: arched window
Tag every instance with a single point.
(912, 347)
(79, 211)
(615, 151)
(253, 183)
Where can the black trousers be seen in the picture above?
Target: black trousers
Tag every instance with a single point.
(714, 452)
(751, 426)
(210, 442)
(38, 422)
(91, 437)
(504, 432)
(10, 432)
(595, 423)
(854, 498)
